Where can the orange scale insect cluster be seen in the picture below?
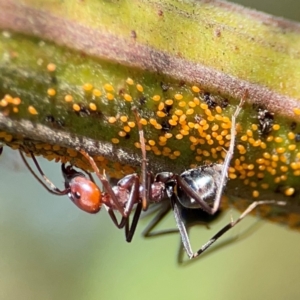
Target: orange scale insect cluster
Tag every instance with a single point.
(179, 117)
(277, 159)
(9, 103)
(260, 162)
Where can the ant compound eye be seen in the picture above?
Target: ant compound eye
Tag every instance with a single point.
(77, 195)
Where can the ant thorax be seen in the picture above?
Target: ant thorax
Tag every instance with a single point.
(205, 180)
(121, 193)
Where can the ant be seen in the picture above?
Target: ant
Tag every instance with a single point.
(198, 189)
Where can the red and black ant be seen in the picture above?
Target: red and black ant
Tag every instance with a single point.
(198, 189)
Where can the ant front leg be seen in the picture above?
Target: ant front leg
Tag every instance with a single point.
(181, 227)
(127, 193)
(129, 183)
(161, 212)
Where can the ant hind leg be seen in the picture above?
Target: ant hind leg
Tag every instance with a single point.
(230, 225)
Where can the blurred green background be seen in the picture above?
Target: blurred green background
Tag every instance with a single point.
(51, 250)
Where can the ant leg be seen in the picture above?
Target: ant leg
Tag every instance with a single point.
(128, 183)
(130, 230)
(145, 178)
(182, 228)
(133, 199)
(162, 212)
(52, 189)
(132, 182)
(250, 208)
(184, 235)
(228, 157)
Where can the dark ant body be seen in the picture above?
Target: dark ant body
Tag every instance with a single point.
(293, 126)
(55, 123)
(209, 100)
(166, 127)
(198, 189)
(164, 86)
(266, 121)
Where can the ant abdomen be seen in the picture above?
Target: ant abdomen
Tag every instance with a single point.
(205, 181)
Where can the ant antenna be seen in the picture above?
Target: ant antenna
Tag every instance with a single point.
(52, 189)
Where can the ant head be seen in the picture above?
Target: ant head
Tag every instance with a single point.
(85, 194)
